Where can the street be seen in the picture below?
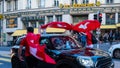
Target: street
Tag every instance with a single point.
(6, 63)
(5, 57)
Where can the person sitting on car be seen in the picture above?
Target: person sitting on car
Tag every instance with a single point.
(59, 44)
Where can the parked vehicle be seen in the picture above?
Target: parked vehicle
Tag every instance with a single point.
(67, 53)
(115, 51)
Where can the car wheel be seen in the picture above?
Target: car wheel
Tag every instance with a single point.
(116, 53)
(65, 64)
(16, 63)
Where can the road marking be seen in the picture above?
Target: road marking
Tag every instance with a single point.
(1, 63)
(4, 52)
(5, 59)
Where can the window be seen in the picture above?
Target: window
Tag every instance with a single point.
(50, 18)
(47, 42)
(8, 5)
(16, 4)
(110, 18)
(56, 3)
(0, 6)
(118, 17)
(109, 1)
(85, 1)
(63, 42)
(34, 24)
(28, 4)
(26, 23)
(41, 3)
(74, 2)
(79, 18)
(58, 17)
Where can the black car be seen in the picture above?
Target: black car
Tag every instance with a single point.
(67, 53)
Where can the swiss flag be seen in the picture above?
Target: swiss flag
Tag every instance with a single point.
(87, 25)
(38, 50)
(58, 24)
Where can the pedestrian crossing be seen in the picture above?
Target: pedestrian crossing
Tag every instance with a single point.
(5, 61)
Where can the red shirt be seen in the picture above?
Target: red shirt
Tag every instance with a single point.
(27, 39)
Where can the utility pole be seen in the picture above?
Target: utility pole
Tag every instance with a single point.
(1, 23)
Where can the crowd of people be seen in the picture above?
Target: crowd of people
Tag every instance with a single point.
(106, 37)
(110, 36)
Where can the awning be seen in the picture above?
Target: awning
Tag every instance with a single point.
(48, 30)
(118, 25)
(19, 32)
(55, 30)
(108, 27)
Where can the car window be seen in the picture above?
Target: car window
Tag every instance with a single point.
(64, 43)
(47, 42)
(19, 40)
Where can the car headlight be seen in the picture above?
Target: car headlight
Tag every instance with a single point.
(86, 61)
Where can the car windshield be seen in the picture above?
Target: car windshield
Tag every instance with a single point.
(65, 42)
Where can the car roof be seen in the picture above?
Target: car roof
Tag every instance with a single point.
(51, 35)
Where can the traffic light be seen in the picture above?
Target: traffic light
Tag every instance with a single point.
(100, 17)
(95, 16)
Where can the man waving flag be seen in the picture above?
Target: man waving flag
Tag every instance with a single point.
(38, 50)
(33, 50)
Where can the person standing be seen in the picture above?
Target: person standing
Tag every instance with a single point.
(30, 60)
(83, 39)
(111, 37)
(117, 36)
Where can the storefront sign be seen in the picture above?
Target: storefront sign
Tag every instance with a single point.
(11, 23)
(64, 11)
(33, 18)
(80, 5)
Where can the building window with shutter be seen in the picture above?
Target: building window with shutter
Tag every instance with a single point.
(118, 17)
(28, 4)
(58, 17)
(74, 2)
(8, 6)
(109, 1)
(41, 3)
(50, 18)
(85, 1)
(56, 3)
(15, 5)
(0, 6)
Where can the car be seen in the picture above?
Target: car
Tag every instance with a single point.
(114, 51)
(68, 54)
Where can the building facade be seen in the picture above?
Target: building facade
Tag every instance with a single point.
(19, 14)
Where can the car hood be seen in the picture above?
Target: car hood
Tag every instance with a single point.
(81, 52)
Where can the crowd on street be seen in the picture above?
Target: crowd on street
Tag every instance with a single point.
(106, 37)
